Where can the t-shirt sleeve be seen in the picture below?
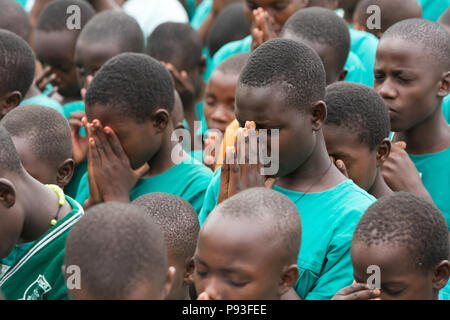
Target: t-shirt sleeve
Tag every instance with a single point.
(211, 196)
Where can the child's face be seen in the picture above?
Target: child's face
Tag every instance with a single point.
(38, 169)
(279, 10)
(267, 107)
(360, 161)
(56, 49)
(347, 4)
(218, 107)
(139, 140)
(400, 280)
(408, 80)
(89, 58)
(231, 264)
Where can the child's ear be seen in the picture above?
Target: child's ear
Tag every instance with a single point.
(444, 90)
(170, 278)
(343, 74)
(288, 279)
(9, 101)
(65, 173)
(7, 193)
(202, 65)
(319, 115)
(188, 276)
(161, 118)
(441, 274)
(383, 151)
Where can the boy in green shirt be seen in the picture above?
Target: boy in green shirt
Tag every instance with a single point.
(255, 234)
(32, 212)
(130, 127)
(406, 237)
(330, 205)
(412, 75)
(356, 133)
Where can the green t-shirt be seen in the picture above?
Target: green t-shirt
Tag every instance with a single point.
(17, 252)
(328, 221)
(364, 45)
(433, 9)
(201, 13)
(446, 108)
(73, 107)
(38, 274)
(188, 180)
(435, 170)
(444, 293)
(43, 100)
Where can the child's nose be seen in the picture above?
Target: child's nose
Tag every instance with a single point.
(387, 90)
(213, 290)
(220, 114)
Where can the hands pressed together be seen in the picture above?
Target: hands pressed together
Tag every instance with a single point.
(242, 166)
(110, 175)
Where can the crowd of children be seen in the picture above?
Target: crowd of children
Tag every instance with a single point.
(225, 149)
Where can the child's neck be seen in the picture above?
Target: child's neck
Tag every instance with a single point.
(40, 208)
(430, 136)
(162, 161)
(315, 174)
(32, 92)
(379, 188)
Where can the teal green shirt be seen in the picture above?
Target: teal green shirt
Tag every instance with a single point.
(356, 70)
(444, 293)
(14, 256)
(364, 45)
(201, 13)
(73, 107)
(433, 9)
(188, 180)
(328, 221)
(37, 275)
(435, 170)
(43, 100)
(446, 108)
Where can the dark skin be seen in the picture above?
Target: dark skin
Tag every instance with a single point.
(45, 172)
(55, 50)
(327, 55)
(182, 278)
(413, 85)
(231, 265)
(143, 291)
(218, 107)
(269, 16)
(400, 278)
(302, 162)
(357, 160)
(26, 209)
(349, 8)
(117, 153)
(9, 101)
(90, 57)
(190, 86)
